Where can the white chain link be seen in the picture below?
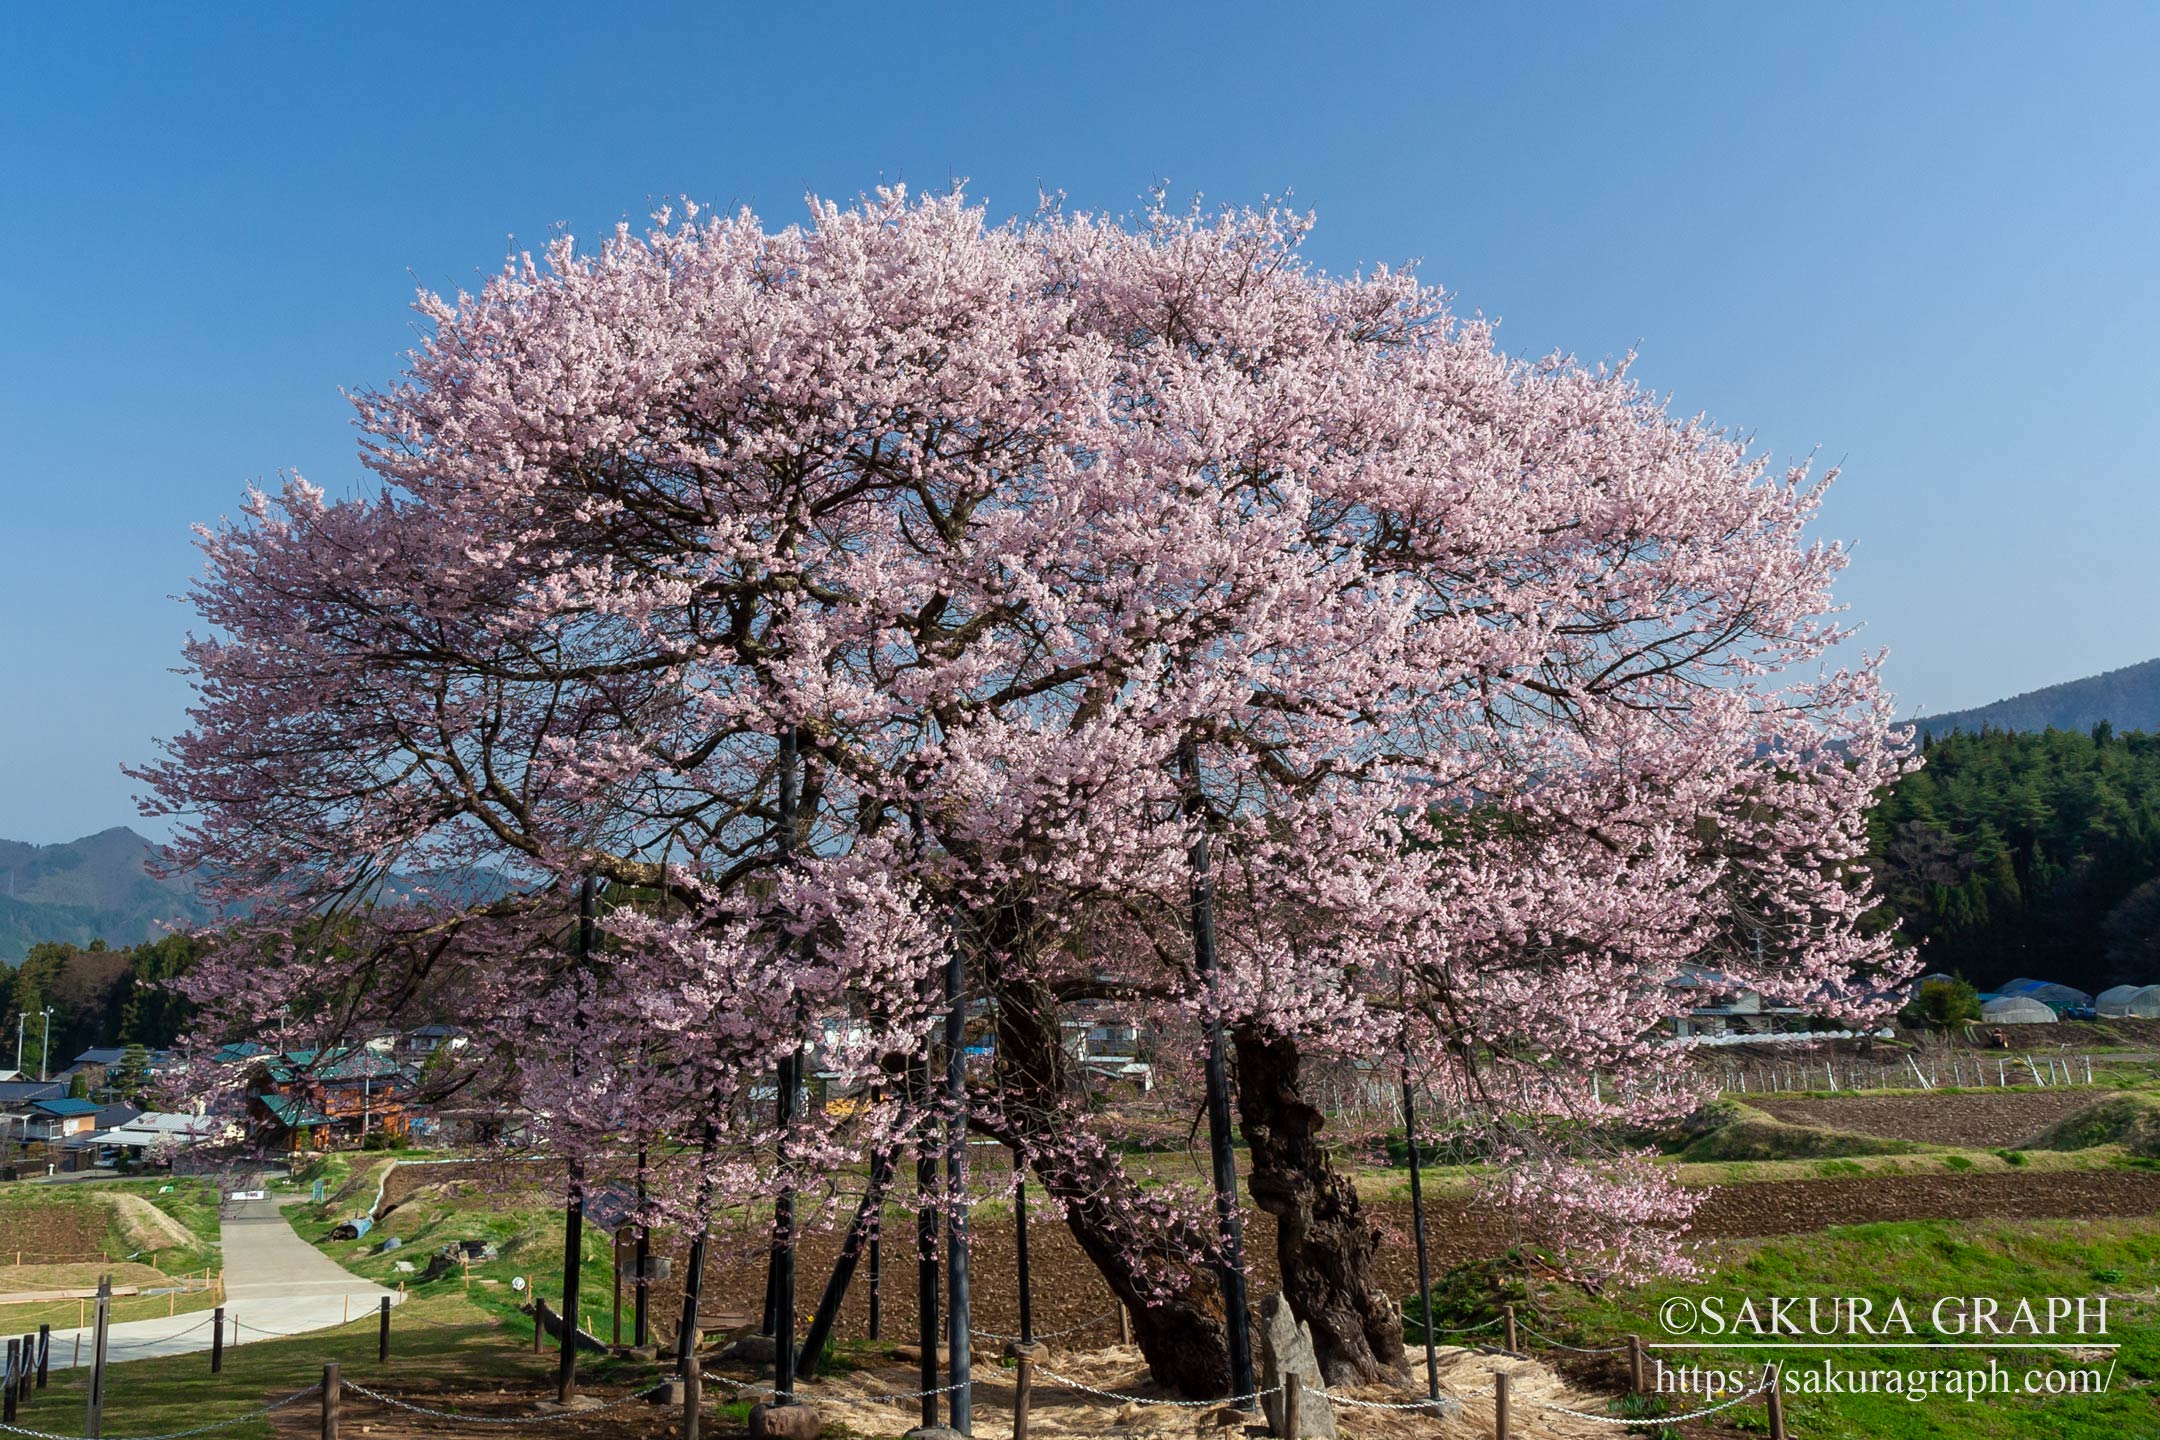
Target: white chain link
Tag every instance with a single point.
(1653, 1420)
(1238, 1401)
(177, 1434)
(1563, 1345)
(469, 1419)
(1053, 1334)
(1425, 1404)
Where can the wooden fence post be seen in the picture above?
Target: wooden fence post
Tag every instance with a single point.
(1634, 1363)
(1023, 1387)
(44, 1353)
(94, 1400)
(382, 1336)
(1507, 1313)
(1499, 1405)
(217, 1341)
(1293, 1404)
(7, 1402)
(539, 1320)
(1776, 1401)
(692, 1396)
(332, 1391)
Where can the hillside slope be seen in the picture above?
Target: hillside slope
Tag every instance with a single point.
(98, 887)
(2128, 699)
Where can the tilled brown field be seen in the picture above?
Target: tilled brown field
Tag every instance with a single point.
(1068, 1292)
(50, 1233)
(1983, 1120)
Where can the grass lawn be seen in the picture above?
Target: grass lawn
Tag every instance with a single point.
(67, 1314)
(1920, 1262)
(440, 1346)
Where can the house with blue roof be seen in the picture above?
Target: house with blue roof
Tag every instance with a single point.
(53, 1121)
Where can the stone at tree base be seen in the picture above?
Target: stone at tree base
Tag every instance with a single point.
(752, 1349)
(1286, 1348)
(912, 1354)
(933, 1432)
(784, 1420)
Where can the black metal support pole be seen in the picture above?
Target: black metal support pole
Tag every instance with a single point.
(573, 1262)
(641, 1333)
(784, 1256)
(788, 1080)
(1237, 1323)
(918, 1096)
(958, 1360)
(1417, 1223)
(843, 1271)
(1020, 1247)
(926, 1243)
(890, 1163)
(693, 1290)
(574, 1212)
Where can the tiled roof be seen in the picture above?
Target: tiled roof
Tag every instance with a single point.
(292, 1112)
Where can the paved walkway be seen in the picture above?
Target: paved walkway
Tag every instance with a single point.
(275, 1284)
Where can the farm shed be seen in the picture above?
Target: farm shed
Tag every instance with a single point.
(2133, 1001)
(2016, 1010)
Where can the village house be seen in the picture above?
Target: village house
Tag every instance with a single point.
(328, 1100)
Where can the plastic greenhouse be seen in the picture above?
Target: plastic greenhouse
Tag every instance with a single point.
(2140, 1002)
(2016, 1010)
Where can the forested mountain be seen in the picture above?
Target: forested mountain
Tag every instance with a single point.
(95, 888)
(2029, 854)
(2128, 699)
(99, 997)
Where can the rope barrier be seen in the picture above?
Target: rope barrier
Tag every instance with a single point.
(152, 1342)
(369, 1317)
(1455, 1329)
(255, 1414)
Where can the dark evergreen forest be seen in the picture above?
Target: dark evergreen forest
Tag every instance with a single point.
(2029, 854)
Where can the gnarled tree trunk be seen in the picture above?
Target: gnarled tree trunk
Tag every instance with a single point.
(1181, 1336)
(1323, 1242)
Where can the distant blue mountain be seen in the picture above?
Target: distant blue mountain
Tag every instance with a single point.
(96, 888)
(2128, 699)
(100, 888)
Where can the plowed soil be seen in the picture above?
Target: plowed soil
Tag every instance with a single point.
(50, 1233)
(1981, 1120)
(1068, 1292)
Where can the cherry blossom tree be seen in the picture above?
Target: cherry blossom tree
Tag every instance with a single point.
(1051, 548)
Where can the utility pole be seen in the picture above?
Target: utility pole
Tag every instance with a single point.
(44, 1047)
(1237, 1324)
(574, 1212)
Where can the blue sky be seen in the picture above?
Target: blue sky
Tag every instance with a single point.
(1919, 240)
